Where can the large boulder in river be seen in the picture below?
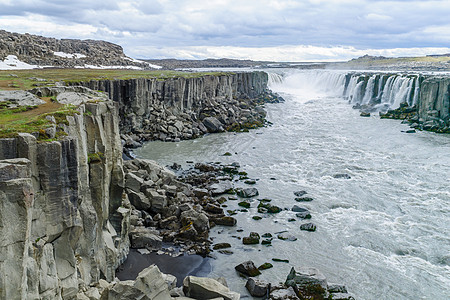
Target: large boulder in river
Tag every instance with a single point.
(248, 268)
(305, 277)
(256, 287)
(207, 288)
(149, 285)
(248, 192)
(212, 124)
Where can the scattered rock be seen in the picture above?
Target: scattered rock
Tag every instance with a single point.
(280, 260)
(256, 287)
(300, 193)
(304, 199)
(252, 239)
(248, 268)
(221, 246)
(206, 288)
(225, 221)
(265, 266)
(257, 218)
(286, 236)
(342, 176)
(244, 204)
(301, 212)
(308, 227)
(247, 192)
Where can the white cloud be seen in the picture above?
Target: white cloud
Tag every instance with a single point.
(143, 27)
(289, 53)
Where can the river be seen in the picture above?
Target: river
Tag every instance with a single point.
(384, 233)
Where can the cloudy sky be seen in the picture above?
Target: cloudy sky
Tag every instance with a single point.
(279, 30)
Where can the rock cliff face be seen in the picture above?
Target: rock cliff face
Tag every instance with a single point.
(62, 216)
(64, 208)
(176, 108)
(38, 50)
(402, 96)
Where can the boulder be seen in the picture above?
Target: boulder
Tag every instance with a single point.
(142, 237)
(133, 182)
(308, 227)
(305, 276)
(225, 221)
(248, 268)
(157, 200)
(199, 220)
(301, 212)
(252, 239)
(206, 288)
(287, 236)
(212, 124)
(247, 192)
(256, 287)
(221, 187)
(149, 285)
(300, 193)
(139, 200)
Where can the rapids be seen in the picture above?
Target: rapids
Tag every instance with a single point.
(384, 232)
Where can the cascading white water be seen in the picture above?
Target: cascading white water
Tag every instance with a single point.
(385, 91)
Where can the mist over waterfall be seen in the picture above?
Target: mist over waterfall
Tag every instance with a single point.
(377, 92)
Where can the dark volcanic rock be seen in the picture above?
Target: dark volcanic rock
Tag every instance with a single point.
(248, 192)
(308, 227)
(257, 288)
(212, 124)
(248, 268)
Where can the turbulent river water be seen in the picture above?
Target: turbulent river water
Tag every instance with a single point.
(384, 233)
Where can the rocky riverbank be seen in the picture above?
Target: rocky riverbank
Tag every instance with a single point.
(77, 207)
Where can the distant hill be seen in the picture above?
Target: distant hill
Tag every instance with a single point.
(435, 62)
(65, 53)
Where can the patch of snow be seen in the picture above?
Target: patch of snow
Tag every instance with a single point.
(67, 55)
(143, 62)
(11, 62)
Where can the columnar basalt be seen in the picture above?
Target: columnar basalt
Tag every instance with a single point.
(64, 217)
(185, 108)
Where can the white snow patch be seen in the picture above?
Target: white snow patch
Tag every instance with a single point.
(11, 62)
(67, 55)
(143, 62)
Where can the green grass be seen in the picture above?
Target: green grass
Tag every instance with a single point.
(32, 120)
(23, 81)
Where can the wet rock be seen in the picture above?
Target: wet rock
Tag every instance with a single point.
(283, 294)
(304, 199)
(342, 176)
(257, 218)
(250, 181)
(267, 235)
(342, 296)
(364, 114)
(267, 242)
(248, 268)
(256, 287)
(213, 209)
(220, 188)
(308, 227)
(280, 260)
(247, 192)
(286, 236)
(221, 246)
(244, 204)
(305, 276)
(207, 288)
(212, 124)
(301, 212)
(265, 266)
(300, 193)
(225, 221)
(336, 288)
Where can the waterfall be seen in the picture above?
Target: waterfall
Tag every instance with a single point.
(368, 90)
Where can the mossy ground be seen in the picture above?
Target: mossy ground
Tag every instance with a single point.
(27, 79)
(32, 119)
